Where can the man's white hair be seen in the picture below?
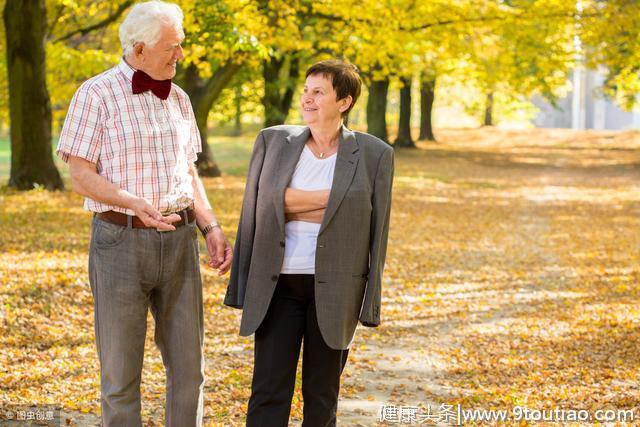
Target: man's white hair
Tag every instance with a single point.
(144, 22)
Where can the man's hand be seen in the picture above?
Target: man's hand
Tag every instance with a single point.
(218, 246)
(151, 216)
(220, 250)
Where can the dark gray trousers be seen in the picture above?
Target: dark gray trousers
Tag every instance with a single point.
(130, 271)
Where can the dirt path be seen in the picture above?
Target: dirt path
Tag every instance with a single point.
(502, 228)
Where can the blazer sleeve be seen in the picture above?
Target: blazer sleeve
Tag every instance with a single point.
(246, 229)
(370, 313)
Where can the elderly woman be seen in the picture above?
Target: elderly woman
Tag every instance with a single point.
(310, 248)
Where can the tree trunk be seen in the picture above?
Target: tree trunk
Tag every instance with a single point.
(237, 128)
(427, 97)
(29, 105)
(377, 109)
(488, 110)
(203, 94)
(277, 102)
(404, 124)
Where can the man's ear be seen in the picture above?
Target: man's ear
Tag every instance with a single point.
(137, 49)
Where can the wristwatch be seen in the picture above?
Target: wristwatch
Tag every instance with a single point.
(207, 228)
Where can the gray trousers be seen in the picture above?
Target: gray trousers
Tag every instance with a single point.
(130, 271)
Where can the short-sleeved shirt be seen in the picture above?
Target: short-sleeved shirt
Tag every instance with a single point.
(141, 143)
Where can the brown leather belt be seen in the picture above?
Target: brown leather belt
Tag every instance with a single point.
(122, 219)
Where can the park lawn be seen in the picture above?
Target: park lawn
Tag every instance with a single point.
(5, 158)
(512, 277)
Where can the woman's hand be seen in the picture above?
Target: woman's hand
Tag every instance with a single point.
(314, 216)
(296, 201)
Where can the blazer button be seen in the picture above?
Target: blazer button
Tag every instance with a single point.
(282, 244)
(321, 246)
(274, 278)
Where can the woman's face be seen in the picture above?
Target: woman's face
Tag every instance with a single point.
(318, 102)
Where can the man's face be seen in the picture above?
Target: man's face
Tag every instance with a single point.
(159, 61)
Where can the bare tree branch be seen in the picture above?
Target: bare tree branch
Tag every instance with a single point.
(106, 21)
(55, 20)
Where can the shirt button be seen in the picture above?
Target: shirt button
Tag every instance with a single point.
(281, 244)
(274, 278)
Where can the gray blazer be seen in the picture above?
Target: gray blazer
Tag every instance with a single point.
(352, 241)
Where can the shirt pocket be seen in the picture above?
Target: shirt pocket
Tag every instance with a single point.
(132, 134)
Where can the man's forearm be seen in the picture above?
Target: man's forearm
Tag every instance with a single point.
(86, 181)
(204, 212)
(304, 201)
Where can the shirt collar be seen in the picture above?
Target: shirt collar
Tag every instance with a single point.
(126, 69)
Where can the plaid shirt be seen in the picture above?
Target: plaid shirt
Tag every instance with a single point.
(140, 143)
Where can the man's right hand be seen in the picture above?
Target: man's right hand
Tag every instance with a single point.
(151, 216)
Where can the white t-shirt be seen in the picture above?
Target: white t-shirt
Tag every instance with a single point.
(301, 237)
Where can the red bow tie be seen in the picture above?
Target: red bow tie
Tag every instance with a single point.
(142, 82)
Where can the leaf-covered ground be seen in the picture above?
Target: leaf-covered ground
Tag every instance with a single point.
(513, 279)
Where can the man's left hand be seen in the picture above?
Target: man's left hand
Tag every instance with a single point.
(220, 251)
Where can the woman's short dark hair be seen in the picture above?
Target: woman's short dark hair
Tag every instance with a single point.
(344, 77)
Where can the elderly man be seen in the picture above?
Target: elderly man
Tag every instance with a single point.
(130, 140)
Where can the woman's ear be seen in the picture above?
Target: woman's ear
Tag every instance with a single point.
(346, 103)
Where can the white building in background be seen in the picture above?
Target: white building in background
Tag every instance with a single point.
(586, 107)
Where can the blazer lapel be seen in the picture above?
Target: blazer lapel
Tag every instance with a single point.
(288, 159)
(346, 163)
